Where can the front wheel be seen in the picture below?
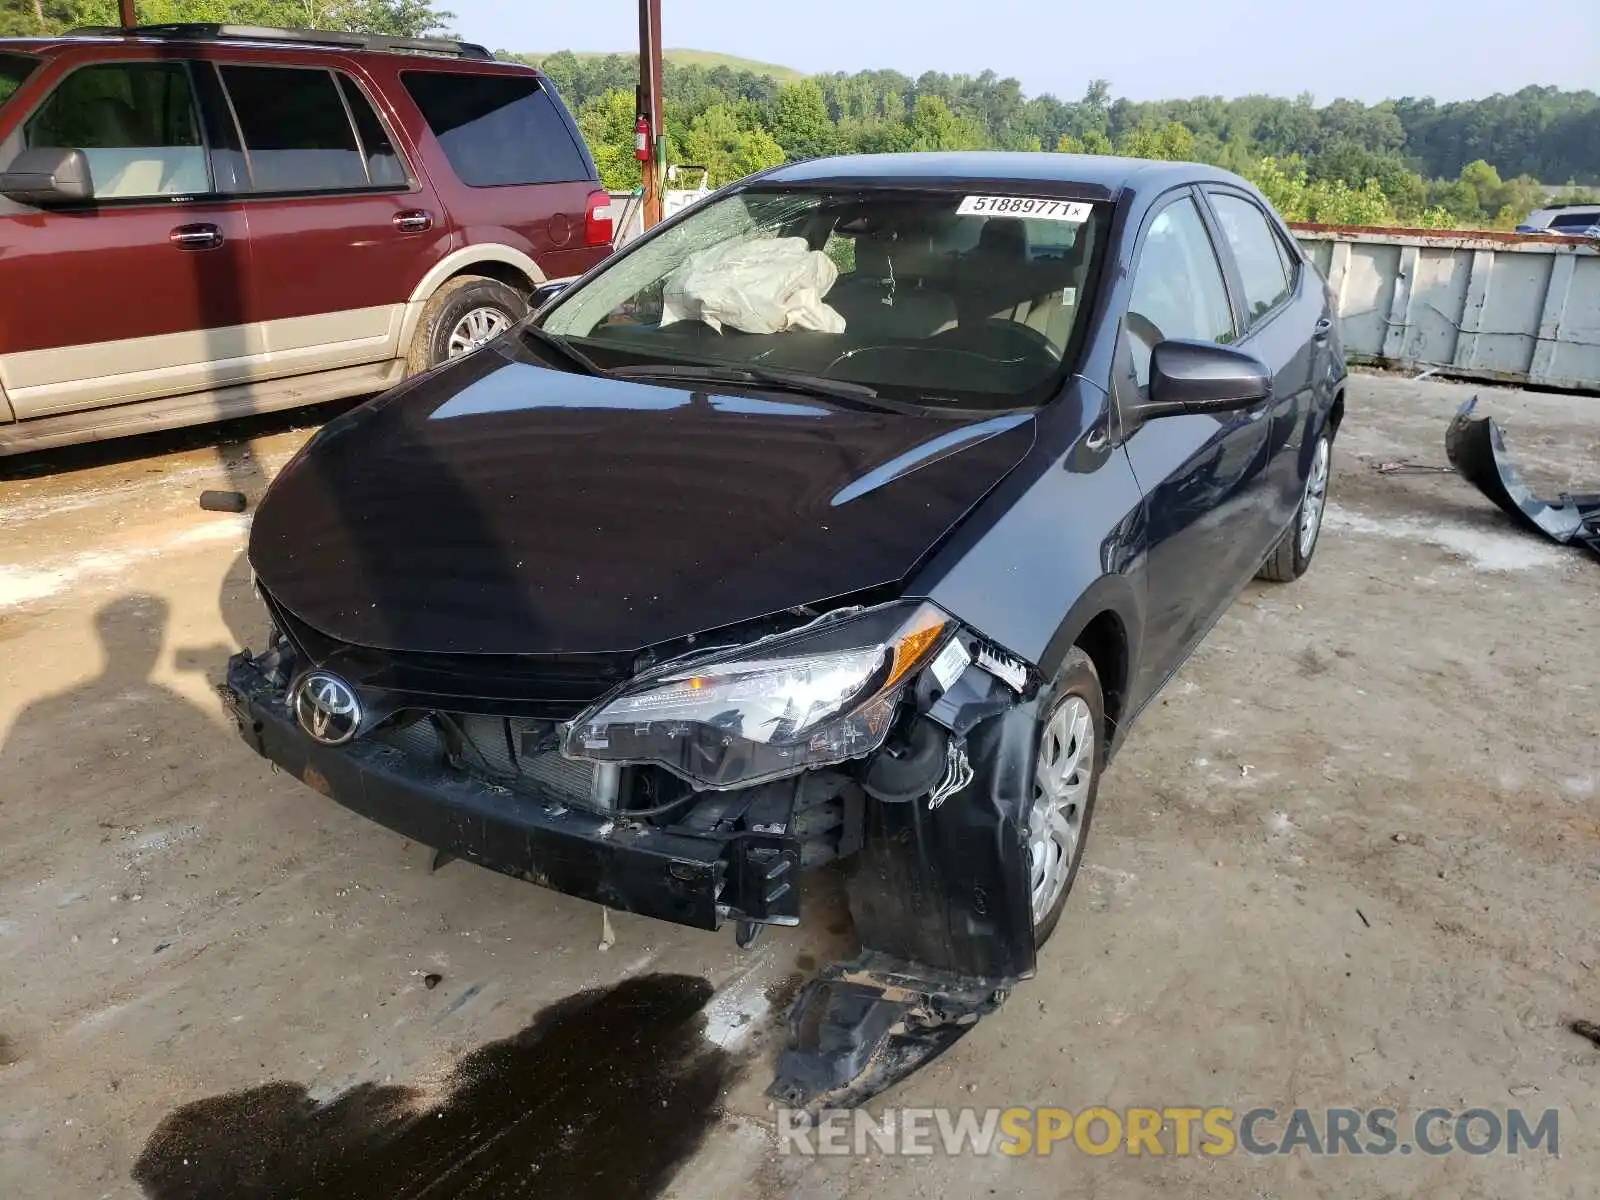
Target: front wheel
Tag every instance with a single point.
(1066, 778)
(1292, 558)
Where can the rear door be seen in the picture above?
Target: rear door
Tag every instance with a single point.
(1201, 474)
(513, 168)
(142, 292)
(343, 225)
(1279, 305)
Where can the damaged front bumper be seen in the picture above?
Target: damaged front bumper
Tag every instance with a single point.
(669, 874)
(1477, 450)
(932, 830)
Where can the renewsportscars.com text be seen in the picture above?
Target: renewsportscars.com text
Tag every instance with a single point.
(1169, 1131)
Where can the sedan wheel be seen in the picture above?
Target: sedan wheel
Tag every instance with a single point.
(1316, 498)
(1066, 776)
(1291, 557)
(1062, 779)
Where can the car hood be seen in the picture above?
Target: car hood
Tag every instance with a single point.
(502, 507)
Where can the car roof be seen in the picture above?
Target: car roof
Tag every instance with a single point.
(237, 39)
(1093, 174)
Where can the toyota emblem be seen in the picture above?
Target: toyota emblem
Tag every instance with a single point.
(327, 708)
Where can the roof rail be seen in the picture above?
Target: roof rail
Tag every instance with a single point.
(443, 47)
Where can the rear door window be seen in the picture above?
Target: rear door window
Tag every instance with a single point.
(298, 136)
(1256, 250)
(497, 130)
(384, 168)
(136, 124)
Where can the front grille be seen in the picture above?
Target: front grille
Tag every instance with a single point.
(486, 751)
(551, 686)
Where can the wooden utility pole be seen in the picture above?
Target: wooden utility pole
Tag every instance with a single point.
(650, 109)
(125, 8)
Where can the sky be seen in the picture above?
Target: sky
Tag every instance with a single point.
(1149, 49)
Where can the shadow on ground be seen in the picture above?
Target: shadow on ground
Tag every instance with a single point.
(604, 1095)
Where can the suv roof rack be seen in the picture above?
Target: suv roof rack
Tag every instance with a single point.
(443, 47)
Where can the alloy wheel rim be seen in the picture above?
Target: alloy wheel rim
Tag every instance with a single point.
(1316, 500)
(474, 329)
(1063, 773)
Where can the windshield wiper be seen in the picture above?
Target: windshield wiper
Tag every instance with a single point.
(559, 344)
(857, 395)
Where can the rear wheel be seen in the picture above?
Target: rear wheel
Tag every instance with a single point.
(1066, 778)
(1292, 558)
(464, 314)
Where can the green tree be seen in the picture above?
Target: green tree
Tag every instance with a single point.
(606, 123)
(728, 150)
(1171, 143)
(800, 120)
(1092, 142)
(397, 18)
(934, 127)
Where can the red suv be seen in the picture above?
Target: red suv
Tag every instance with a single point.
(200, 222)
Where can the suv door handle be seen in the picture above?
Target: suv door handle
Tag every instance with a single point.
(1323, 327)
(413, 220)
(196, 237)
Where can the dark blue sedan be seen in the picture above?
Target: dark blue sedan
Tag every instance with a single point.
(853, 514)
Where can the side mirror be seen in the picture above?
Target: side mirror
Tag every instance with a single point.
(547, 292)
(46, 176)
(1203, 377)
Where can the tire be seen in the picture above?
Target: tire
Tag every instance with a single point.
(1075, 714)
(458, 302)
(1292, 557)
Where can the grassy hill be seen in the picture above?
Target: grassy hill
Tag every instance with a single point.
(709, 59)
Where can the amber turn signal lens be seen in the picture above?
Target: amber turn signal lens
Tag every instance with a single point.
(914, 645)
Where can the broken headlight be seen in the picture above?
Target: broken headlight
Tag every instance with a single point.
(817, 696)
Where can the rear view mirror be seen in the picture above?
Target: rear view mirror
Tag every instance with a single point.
(46, 176)
(1203, 377)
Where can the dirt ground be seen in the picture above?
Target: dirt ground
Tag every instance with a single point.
(1352, 859)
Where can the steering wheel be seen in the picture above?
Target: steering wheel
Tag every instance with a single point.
(1026, 341)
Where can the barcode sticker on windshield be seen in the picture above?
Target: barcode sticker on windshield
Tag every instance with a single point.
(1072, 212)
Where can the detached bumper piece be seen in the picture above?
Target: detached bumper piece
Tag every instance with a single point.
(688, 878)
(864, 1025)
(1476, 448)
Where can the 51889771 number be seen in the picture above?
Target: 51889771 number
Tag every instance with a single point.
(1072, 212)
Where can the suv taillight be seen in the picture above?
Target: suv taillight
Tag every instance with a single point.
(597, 220)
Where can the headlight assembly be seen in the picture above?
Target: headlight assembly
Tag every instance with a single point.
(820, 695)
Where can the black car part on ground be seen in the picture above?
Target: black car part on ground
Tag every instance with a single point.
(939, 897)
(1477, 450)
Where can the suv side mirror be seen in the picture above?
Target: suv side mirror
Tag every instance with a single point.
(1203, 377)
(46, 176)
(547, 292)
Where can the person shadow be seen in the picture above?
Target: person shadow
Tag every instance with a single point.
(119, 752)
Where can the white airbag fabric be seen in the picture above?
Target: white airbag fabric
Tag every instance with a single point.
(766, 285)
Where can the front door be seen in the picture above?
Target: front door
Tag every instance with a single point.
(1202, 475)
(342, 226)
(144, 291)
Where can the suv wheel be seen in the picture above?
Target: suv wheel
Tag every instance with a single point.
(1066, 776)
(1292, 558)
(462, 315)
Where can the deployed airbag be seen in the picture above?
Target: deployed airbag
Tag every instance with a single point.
(765, 285)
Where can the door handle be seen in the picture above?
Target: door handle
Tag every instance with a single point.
(196, 237)
(1322, 329)
(413, 220)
